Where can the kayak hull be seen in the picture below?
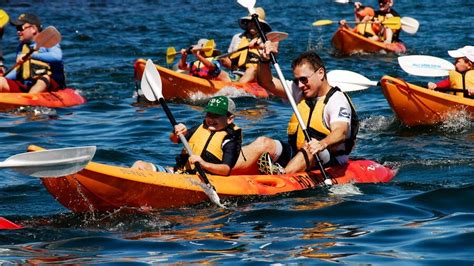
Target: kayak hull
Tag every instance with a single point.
(183, 86)
(101, 187)
(415, 105)
(57, 99)
(349, 42)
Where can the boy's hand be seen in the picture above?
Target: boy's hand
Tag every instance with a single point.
(180, 129)
(195, 159)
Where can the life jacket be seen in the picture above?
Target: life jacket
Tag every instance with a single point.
(246, 58)
(313, 114)
(198, 69)
(208, 145)
(365, 29)
(382, 16)
(32, 69)
(462, 81)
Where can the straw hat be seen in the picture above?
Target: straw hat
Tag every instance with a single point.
(243, 22)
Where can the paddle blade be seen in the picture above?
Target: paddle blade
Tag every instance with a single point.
(47, 38)
(343, 1)
(4, 18)
(247, 3)
(208, 48)
(51, 163)
(151, 82)
(349, 81)
(394, 23)
(170, 54)
(323, 22)
(276, 36)
(425, 65)
(410, 25)
(8, 225)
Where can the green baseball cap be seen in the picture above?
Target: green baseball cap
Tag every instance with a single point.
(220, 105)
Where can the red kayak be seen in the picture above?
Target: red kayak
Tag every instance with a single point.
(58, 99)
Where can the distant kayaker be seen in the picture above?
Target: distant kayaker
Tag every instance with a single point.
(203, 67)
(216, 143)
(43, 71)
(363, 19)
(246, 61)
(332, 121)
(388, 33)
(463, 75)
(2, 67)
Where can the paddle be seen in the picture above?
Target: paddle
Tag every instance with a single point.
(408, 25)
(4, 18)
(425, 65)
(47, 38)
(208, 48)
(349, 81)
(152, 89)
(250, 4)
(50, 163)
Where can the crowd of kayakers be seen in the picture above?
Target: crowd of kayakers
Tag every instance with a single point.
(321, 132)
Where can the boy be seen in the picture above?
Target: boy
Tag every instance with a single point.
(216, 143)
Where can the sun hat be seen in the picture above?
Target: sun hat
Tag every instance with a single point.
(243, 22)
(202, 42)
(466, 51)
(220, 105)
(365, 11)
(27, 18)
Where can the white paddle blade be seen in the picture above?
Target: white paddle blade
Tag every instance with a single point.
(410, 25)
(47, 38)
(151, 82)
(425, 65)
(349, 81)
(249, 4)
(276, 36)
(51, 163)
(342, 1)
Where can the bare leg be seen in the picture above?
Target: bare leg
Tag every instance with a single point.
(388, 35)
(40, 85)
(298, 164)
(249, 75)
(247, 162)
(4, 85)
(224, 76)
(142, 165)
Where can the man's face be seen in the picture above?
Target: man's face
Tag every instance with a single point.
(26, 32)
(308, 80)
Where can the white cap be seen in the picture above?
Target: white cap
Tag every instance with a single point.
(466, 51)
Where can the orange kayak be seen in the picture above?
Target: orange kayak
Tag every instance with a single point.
(349, 42)
(183, 86)
(101, 187)
(61, 98)
(416, 105)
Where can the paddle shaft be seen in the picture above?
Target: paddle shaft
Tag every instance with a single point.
(289, 95)
(23, 59)
(202, 174)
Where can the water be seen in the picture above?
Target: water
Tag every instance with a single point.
(424, 216)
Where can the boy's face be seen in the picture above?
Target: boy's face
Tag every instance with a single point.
(463, 64)
(217, 122)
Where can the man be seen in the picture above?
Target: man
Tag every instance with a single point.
(331, 120)
(389, 33)
(43, 71)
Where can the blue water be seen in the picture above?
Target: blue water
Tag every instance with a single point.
(425, 216)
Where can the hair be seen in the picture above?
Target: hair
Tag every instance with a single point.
(310, 57)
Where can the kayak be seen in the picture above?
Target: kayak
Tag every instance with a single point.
(349, 42)
(57, 99)
(415, 105)
(183, 86)
(101, 188)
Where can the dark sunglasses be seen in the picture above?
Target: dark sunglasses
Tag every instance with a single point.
(304, 80)
(20, 28)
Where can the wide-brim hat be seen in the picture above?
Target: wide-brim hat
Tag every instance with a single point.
(220, 105)
(466, 51)
(244, 21)
(202, 42)
(27, 18)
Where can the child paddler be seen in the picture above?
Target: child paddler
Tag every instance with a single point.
(216, 143)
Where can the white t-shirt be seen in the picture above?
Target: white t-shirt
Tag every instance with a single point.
(234, 43)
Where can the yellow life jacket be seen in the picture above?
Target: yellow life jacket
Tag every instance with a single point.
(365, 29)
(32, 68)
(461, 81)
(313, 114)
(246, 58)
(208, 145)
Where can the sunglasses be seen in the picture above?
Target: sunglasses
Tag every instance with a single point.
(304, 80)
(20, 28)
